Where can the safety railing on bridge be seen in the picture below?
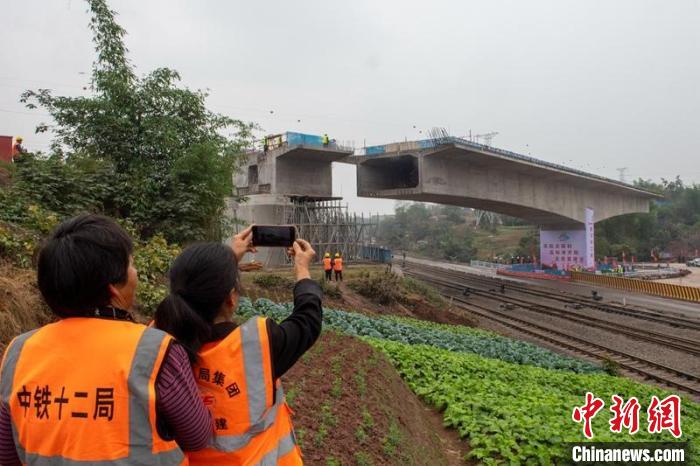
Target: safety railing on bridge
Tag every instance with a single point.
(667, 290)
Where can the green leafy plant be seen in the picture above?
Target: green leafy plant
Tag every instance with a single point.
(517, 414)
(411, 331)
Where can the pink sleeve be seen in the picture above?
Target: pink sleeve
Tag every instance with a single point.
(8, 453)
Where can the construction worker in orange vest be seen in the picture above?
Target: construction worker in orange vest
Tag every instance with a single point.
(238, 367)
(338, 267)
(85, 389)
(328, 266)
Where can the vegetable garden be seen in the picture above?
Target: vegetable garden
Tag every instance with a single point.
(511, 400)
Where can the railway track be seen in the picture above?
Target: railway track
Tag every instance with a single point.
(666, 318)
(681, 344)
(660, 373)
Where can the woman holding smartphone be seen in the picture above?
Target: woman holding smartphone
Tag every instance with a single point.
(238, 367)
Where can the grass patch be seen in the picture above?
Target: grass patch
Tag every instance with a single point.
(328, 420)
(361, 382)
(300, 434)
(392, 439)
(337, 388)
(363, 459)
(361, 435)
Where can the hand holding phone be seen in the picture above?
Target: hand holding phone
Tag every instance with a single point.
(242, 243)
(303, 254)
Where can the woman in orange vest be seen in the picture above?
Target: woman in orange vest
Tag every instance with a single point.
(338, 267)
(328, 266)
(95, 387)
(238, 367)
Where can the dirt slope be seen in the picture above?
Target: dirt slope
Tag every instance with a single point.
(21, 307)
(352, 408)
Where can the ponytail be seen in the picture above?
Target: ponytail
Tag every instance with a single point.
(176, 317)
(201, 278)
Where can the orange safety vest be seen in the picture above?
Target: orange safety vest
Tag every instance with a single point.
(82, 391)
(326, 263)
(252, 421)
(338, 264)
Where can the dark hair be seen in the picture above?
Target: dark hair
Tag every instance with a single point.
(81, 258)
(201, 279)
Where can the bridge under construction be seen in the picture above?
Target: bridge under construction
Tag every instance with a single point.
(291, 177)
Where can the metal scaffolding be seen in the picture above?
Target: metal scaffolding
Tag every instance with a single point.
(328, 226)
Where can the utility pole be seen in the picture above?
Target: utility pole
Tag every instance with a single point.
(622, 171)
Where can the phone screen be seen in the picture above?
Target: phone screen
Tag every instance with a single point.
(273, 236)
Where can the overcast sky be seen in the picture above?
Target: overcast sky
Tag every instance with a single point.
(595, 85)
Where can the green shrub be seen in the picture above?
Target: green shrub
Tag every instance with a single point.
(331, 290)
(428, 292)
(272, 280)
(17, 245)
(610, 366)
(382, 288)
(152, 260)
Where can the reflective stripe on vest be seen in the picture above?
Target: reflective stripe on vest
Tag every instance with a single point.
(140, 430)
(267, 435)
(284, 447)
(254, 375)
(231, 443)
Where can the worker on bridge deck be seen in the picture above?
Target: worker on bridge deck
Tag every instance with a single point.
(328, 266)
(325, 140)
(338, 267)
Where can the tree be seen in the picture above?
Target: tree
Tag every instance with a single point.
(169, 159)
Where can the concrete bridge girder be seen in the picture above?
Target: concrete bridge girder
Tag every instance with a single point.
(464, 177)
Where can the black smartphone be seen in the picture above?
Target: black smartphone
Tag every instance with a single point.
(274, 235)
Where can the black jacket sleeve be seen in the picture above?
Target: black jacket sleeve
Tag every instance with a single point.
(292, 337)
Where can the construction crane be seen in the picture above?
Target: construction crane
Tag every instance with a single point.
(488, 137)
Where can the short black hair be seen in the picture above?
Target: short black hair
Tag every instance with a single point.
(82, 256)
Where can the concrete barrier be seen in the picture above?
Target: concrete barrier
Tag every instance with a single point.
(667, 290)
